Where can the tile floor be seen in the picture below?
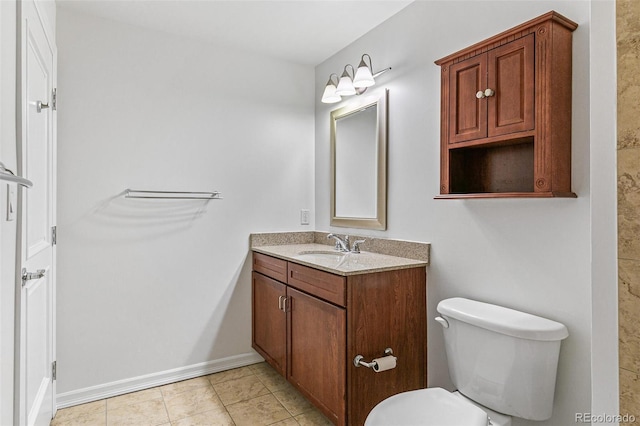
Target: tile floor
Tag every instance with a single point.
(253, 396)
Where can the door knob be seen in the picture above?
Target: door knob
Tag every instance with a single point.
(488, 93)
(28, 276)
(480, 94)
(40, 106)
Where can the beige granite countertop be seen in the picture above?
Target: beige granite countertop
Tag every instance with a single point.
(326, 258)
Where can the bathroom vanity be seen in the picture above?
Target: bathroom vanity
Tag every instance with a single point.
(315, 310)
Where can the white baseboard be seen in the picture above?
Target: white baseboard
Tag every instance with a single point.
(120, 387)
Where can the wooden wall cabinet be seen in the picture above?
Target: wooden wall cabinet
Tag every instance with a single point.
(506, 114)
(310, 325)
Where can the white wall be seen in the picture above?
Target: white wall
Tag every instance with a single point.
(528, 254)
(149, 286)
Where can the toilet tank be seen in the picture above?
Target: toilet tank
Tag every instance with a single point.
(501, 358)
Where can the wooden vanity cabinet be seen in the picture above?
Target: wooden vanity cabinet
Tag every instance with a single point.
(327, 319)
(506, 114)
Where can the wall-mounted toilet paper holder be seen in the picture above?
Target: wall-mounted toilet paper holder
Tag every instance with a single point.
(358, 360)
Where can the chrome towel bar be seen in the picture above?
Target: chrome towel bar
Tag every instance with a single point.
(172, 195)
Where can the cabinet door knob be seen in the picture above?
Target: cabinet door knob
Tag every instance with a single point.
(480, 94)
(40, 106)
(488, 93)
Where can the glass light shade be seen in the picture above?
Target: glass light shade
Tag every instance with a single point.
(363, 77)
(329, 96)
(345, 86)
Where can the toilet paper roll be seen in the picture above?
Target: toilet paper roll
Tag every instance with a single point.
(384, 363)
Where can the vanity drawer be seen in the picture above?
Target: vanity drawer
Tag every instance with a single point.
(324, 285)
(270, 266)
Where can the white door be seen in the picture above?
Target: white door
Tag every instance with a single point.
(36, 153)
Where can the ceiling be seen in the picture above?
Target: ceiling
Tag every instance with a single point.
(301, 31)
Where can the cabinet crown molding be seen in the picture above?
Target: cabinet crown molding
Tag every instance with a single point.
(513, 33)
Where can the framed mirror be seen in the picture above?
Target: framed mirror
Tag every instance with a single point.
(359, 163)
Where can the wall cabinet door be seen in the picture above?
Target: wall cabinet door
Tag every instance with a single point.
(269, 321)
(510, 74)
(467, 113)
(492, 94)
(317, 351)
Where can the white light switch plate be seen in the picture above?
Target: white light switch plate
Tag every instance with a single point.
(12, 200)
(304, 217)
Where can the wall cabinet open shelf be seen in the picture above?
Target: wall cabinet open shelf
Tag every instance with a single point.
(506, 114)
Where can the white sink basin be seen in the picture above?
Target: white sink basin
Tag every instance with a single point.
(323, 253)
(325, 257)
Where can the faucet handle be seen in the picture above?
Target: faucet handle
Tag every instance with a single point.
(356, 246)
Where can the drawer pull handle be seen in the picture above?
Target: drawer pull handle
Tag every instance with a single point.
(282, 303)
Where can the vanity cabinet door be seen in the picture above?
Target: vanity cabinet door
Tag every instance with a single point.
(317, 351)
(269, 321)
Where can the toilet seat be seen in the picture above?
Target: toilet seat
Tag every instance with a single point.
(426, 407)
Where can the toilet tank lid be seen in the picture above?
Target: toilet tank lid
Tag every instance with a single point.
(502, 320)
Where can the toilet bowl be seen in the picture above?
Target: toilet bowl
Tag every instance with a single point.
(434, 406)
(503, 363)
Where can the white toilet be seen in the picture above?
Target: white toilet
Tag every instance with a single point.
(503, 363)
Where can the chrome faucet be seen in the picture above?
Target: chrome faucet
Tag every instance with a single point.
(355, 248)
(341, 244)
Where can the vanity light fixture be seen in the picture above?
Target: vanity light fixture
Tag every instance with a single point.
(330, 96)
(345, 85)
(351, 83)
(364, 77)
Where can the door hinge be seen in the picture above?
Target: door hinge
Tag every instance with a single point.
(54, 99)
(54, 235)
(54, 372)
